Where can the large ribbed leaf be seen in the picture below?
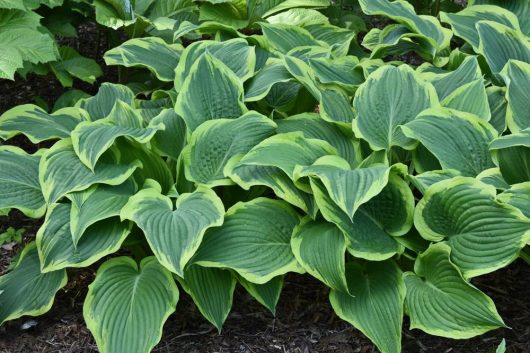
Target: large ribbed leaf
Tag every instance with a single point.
(498, 107)
(170, 141)
(463, 22)
(493, 177)
(440, 302)
(95, 204)
(212, 290)
(512, 154)
(499, 43)
(100, 105)
(458, 140)
(338, 38)
(266, 294)
(272, 163)
(403, 12)
(236, 54)
(483, 233)
(210, 91)
(73, 65)
(57, 249)
(284, 37)
(320, 248)
(375, 305)
(27, 291)
(114, 13)
(471, 98)
(152, 53)
(390, 97)
(218, 143)
(516, 74)
(340, 71)
(260, 85)
(19, 182)
(520, 8)
(61, 171)
(518, 195)
(92, 139)
(254, 240)
(127, 305)
(424, 180)
(174, 234)
(33, 122)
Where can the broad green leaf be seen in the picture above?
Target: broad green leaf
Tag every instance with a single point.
(72, 65)
(254, 241)
(483, 233)
(440, 302)
(127, 305)
(25, 290)
(340, 71)
(19, 182)
(212, 290)
(498, 107)
(35, 123)
(463, 22)
(314, 127)
(499, 43)
(516, 74)
(57, 249)
(69, 99)
(470, 98)
(284, 37)
(272, 163)
(493, 177)
(100, 105)
(95, 204)
(260, 85)
(512, 154)
(269, 7)
(520, 8)
(339, 39)
(390, 97)
(403, 12)
(61, 171)
(92, 138)
(170, 141)
(13, 4)
(298, 17)
(376, 304)
(266, 294)
(458, 140)
(232, 14)
(211, 91)
(424, 180)
(114, 13)
(174, 233)
(236, 54)
(218, 143)
(518, 195)
(152, 53)
(320, 248)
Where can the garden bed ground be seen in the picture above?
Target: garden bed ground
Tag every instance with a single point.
(305, 321)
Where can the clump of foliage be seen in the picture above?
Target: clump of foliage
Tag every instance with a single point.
(264, 140)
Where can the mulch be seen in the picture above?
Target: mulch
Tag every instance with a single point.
(304, 323)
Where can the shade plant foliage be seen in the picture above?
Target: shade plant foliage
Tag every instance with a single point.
(255, 139)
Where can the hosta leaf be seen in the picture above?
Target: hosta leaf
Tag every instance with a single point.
(260, 85)
(217, 143)
(463, 22)
(376, 304)
(284, 37)
(236, 54)
(338, 39)
(269, 7)
(390, 97)
(516, 74)
(95, 204)
(100, 105)
(340, 71)
(298, 17)
(484, 234)
(212, 290)
(499, 43)
(57, 249)
(35, 123)
(170, 141)
(313, 127)
(458, 140)
(424, 180)
(520, 8)
(440, 302)
(320, 248)
(518, 195)
(61, 172)
(92, 138)
(152, 53)
(254, 240)
(114, 13)
(512, 154)
(493, 177)
(211, 91)
(127, 305)
(498, 107)
(266, 294)
(19, 182)
(272, 163)
(27, 291)
(174, 234)
(72, 64)
(403, 12)
(471, 98)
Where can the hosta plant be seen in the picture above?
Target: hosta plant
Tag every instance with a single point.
(259, 153)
